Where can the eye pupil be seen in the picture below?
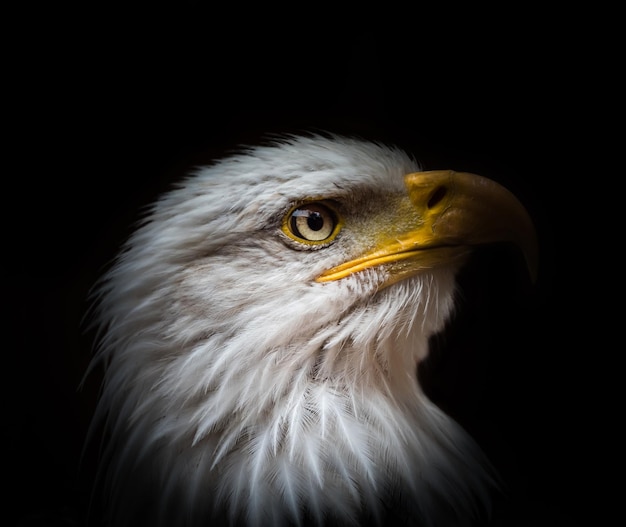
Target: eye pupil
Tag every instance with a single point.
(315, 221)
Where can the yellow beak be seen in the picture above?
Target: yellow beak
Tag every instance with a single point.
(443, 216)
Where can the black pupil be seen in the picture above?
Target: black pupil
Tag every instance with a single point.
(315, 221)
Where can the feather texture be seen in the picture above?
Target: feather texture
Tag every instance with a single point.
(238, 390)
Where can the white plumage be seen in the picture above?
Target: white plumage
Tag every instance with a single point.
(241, 389)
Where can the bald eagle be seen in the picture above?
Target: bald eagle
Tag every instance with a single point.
(260, 334)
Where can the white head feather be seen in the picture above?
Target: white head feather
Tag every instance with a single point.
(239, 390)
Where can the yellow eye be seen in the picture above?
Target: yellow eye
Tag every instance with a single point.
(312, 223)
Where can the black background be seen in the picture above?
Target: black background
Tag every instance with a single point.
(108, 108)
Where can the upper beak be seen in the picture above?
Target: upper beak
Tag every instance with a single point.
(444, 214)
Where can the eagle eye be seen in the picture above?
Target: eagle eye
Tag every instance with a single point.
(312, 223)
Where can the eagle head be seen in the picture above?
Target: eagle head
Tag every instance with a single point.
(261, 332)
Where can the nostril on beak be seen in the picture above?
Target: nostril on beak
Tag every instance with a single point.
(438, 194)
